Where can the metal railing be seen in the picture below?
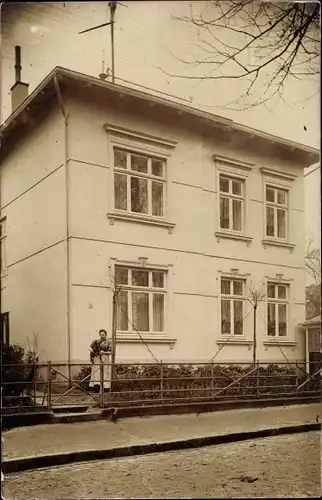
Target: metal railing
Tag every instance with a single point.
(57, 385)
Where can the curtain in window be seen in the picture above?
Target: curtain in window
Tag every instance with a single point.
(269, 221)
(157, 199)
(282, 320)
(158, 312)
(238, 317)
(237, 215)
(120, 191)
(271, 319)
(140, 311)
(139, 195)
(281, 219)
(122, 311)
(225, 316)
(224, 213)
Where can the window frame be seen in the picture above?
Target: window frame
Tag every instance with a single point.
(149, 177)
(275, 206)
(231, 196)
(232, 298)
(3, 245)
(276, 301)
(150, 290)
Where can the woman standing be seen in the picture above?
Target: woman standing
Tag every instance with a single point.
(100, 351)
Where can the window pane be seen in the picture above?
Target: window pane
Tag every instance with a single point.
(282, 292)
(158, 279)
(158, 312)
(237, 187)
(139, 163)
(270, 194)
(237, 215)
(224, 213)
(139, 195)
(140, 311)
(224, 184)
(238, 317)
(225, 316)
(120, 191)
(282, 320)
(157, 167)
(140, 278)
(2, 229)
(157, 198)
(122, 310)
(238, 288)
(225, 287)
(269, 221)
(271, 319)
(3, 263)
(281, 219)
(271, 291)
(120, 158)
(121, 275)
(281, 197)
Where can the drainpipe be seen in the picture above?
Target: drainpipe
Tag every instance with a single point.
(66, 154)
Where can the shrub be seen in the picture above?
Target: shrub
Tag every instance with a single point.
(18, 371)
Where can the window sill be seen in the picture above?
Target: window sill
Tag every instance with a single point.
(278, 243)
(233, 236)
(232, 341)
(276, 342)
(141, 219)
(147, 337)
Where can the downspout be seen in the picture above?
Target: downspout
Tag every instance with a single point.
(66, 155)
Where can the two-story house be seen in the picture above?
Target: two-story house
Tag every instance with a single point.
(189, 212)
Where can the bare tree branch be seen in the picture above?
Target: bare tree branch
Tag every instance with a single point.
(262, 43)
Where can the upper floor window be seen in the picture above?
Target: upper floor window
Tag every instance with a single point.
(140, 299)
(232, 306)
(139, 183)
(231, 203)
(3, 243)
(277, 306)
(276, 212)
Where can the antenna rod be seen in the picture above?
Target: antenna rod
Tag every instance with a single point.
(18, 63)
(112, 11)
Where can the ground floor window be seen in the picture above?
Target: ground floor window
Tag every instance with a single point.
(141, 298)
(232, 306)
(5, 331)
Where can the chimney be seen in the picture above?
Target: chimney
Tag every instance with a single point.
(19, 91)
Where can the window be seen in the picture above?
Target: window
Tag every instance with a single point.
(232, 305)
(140, 300)
(277, 308)
(231, 203)
(5, 331)
(139, 183)
(3, 242)
(276, 212)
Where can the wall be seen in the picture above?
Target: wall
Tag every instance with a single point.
(194, 256)
(312, 189)
(33, 201)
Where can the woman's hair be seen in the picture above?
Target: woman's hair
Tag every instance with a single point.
(103, 331)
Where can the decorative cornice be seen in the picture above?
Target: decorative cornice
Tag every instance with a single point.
(132, 134)
(244, 165)
(276, 243)
(280, 175)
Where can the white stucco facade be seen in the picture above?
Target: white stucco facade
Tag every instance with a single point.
(64, 239)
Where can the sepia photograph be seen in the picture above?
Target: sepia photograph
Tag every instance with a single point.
(160, 249)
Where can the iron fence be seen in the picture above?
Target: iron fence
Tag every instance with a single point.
(59, 385)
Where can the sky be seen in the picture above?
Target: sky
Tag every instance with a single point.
(149, 43)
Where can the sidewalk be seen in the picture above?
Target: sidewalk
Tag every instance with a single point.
(57, 439)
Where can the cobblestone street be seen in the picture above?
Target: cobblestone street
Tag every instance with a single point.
(281, 466)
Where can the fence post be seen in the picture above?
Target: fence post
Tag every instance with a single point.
(258, 382)
(102, 384)
(212, 378)
(161, 381)
(49, 385)
(297, 378)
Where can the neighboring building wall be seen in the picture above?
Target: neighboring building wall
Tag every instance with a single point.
(192, 254)
(33, 202)
(312, 196)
